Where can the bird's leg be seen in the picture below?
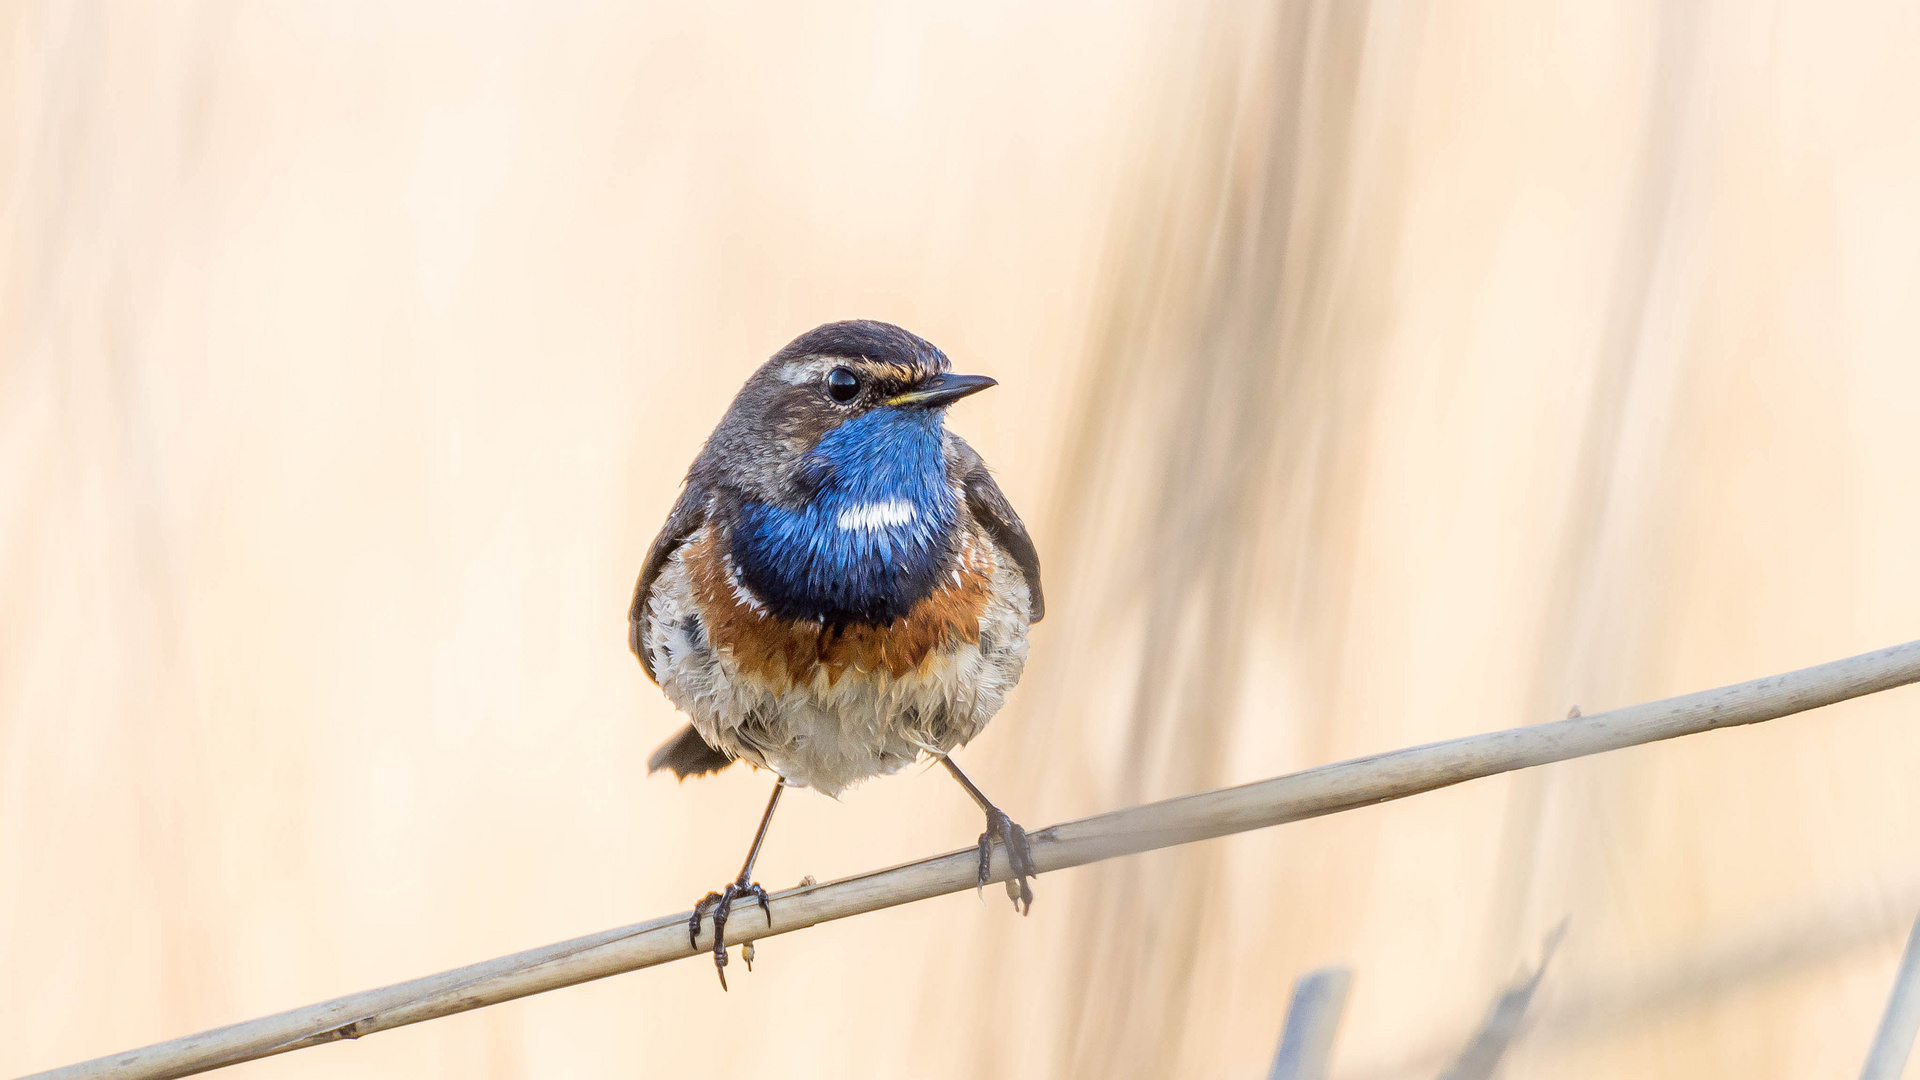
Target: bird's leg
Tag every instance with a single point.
(720, 904)
(1011, 836)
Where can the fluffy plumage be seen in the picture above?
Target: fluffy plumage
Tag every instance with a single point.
(873, 537)
(841, 585)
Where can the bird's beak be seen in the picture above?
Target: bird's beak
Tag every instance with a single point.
(941, 390)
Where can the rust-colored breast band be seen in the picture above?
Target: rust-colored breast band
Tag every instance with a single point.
(786, 652)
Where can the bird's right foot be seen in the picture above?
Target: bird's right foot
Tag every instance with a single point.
(720, 906)
(1019, 858)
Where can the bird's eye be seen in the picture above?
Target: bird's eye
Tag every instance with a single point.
(842, 385)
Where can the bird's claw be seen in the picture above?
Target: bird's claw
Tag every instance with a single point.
(720, 906)
(1019, 859)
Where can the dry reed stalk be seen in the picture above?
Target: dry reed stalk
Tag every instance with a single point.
(1328, 789)
(1894, 1041)
(1497, 1033)
(1313, 1019)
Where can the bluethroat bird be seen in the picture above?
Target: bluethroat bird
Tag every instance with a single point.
(840, 588)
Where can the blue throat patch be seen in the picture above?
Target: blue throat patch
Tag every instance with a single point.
(875, 537)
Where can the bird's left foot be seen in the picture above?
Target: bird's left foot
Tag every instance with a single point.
(1019, 858)
(720, 906)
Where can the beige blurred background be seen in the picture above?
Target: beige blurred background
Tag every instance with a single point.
(1372, 373)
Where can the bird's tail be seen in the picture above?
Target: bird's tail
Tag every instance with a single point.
(687, 754)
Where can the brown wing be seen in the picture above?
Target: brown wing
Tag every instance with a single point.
(686, 753)
(992, 510)
(688, 515)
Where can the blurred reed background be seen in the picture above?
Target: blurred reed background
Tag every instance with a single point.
(1372, 373)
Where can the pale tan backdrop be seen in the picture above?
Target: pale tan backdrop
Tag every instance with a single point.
(1371, 373)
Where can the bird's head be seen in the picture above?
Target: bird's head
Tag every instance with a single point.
(835, 451)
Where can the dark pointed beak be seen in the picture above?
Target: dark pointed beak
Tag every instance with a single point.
(941, 390)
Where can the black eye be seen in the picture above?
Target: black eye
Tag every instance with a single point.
(842, 385)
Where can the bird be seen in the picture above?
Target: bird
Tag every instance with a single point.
(840, 590)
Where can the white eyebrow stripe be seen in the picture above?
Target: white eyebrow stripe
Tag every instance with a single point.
(877, 515)
(796, 373)
(808, 369)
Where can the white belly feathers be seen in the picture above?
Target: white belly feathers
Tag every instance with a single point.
(825, 732)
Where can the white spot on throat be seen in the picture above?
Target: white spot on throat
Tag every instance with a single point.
(877, 515)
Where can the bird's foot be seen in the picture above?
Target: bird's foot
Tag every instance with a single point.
(720, 906)
(1019, 858)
